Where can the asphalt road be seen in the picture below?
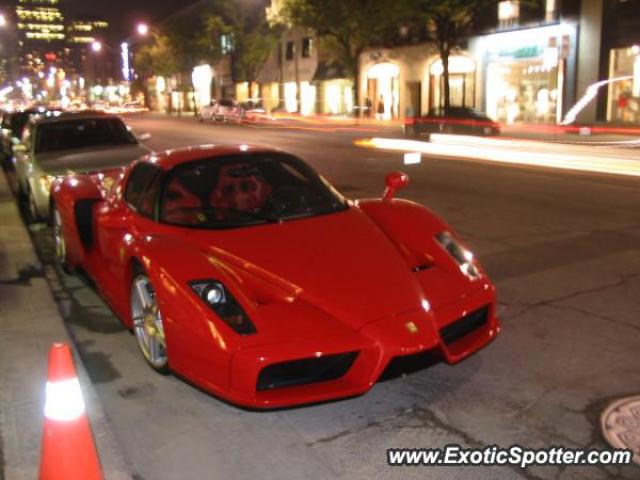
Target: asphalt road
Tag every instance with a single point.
(564, 251)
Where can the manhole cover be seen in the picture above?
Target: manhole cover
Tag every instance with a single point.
(620, 424)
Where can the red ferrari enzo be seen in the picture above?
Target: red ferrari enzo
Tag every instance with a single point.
(245, 272)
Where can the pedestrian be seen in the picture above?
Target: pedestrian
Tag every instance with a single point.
(369, 104)
(380, 115)
(623, 104)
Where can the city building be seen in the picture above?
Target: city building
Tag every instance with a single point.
(546, 62)
(53, 53)
(299, 76)
(86, 31)
(527, 68)
(287, 78)
(396, 82)
(519, 67)
(564, 61)
(40, 31)
(82, 33)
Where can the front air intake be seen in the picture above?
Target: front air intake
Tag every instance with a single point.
(465, 325)
(305, 371)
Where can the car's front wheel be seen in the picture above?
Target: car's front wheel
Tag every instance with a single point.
(147, 323)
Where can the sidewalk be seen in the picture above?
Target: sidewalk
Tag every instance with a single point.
(29, 324)
(596, 134)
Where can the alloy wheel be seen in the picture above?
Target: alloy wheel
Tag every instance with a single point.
(147, 323)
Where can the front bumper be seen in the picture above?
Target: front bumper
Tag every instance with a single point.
(377, 345)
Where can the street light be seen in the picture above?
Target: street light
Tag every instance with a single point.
(142, 29)
(96, 46)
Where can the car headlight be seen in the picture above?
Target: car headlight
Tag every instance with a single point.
(46, 181)
(214, 294)
(463, 257)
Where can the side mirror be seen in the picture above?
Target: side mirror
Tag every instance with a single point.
(394, 181)
(144, 137)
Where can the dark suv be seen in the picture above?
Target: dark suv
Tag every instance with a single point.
(453, 120)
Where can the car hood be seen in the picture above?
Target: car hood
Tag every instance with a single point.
(89, 159)
(341, 263)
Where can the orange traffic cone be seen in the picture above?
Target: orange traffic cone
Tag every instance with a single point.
(68, 449)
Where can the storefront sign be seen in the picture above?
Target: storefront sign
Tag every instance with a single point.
(530, 51)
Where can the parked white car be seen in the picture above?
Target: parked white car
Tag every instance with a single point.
(65, 143)
(224, 110)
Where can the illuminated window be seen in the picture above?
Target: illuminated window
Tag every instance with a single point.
(226, 43)
(508, 13)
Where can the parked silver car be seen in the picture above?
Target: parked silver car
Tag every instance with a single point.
(62, 143)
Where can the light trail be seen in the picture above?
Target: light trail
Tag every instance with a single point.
(517, 152)
(590, 94)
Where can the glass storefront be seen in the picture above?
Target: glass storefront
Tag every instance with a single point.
(270, 93)
(527, 73)
(307, 98)
(522, 90)
(624, 86)
(383, 92)
(337, 96)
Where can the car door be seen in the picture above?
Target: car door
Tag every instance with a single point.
(121, 225)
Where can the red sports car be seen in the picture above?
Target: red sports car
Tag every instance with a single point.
(245, 272)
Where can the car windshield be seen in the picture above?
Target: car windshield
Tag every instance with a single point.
(82, 133)
(245, 190)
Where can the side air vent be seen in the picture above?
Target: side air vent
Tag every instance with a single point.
(83, 210)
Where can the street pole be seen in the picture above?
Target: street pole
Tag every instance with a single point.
(296, 66)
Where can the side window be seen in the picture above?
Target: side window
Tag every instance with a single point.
(139, 180)
(147, 203)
